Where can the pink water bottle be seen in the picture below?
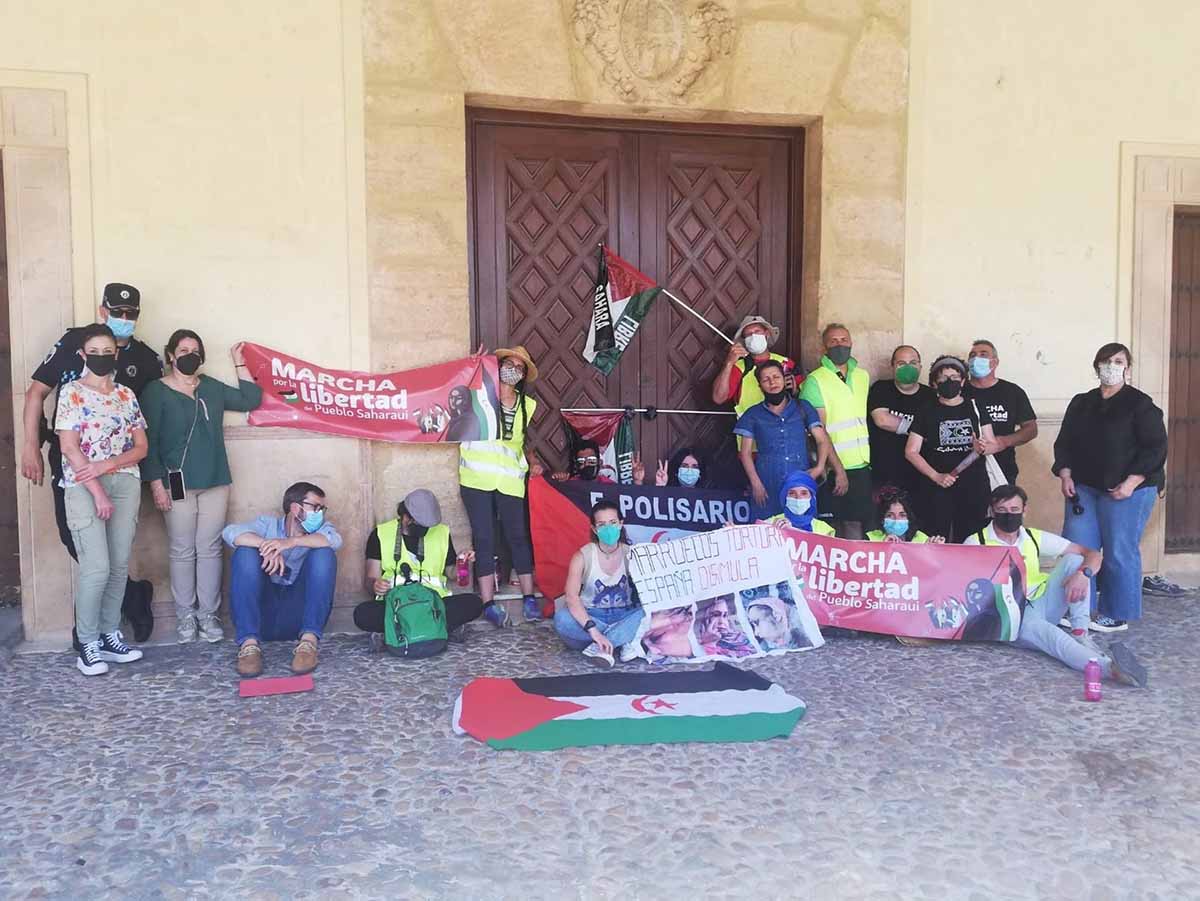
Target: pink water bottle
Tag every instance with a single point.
(463, 571)
(1091, 681)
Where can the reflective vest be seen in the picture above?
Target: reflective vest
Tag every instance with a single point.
(846, 412)
(880, 535)
(1035, 579)
(431, 570)
(497, 465)
(749, 392)
(819, 526)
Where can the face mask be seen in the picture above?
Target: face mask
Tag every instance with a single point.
(312, 521)
(980, 367)
(949, 389)
(589, 473)
(188, 363)
(775, 397)
(121, 328)
(756, 343)
(416, 531)
(898, 527)
(510, 375)
(1111, 373)
(1008, 522)
(608, 534)
(907, 374)
(838, 355)
(799, 505)
(101, 364)
(688, 475)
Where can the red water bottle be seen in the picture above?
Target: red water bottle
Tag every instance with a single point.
(463, 571)
(1091, 681)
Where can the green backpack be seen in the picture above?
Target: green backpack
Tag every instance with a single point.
(414, 619)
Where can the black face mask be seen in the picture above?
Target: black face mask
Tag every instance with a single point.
(101, 364)
(775, 397)
(949, 389)
(1008, 522)
(589, 473)
(188, 363)
(416, 531)
(838, 355)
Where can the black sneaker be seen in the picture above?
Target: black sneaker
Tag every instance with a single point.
(89, 661)
(1108, 624)
(114, 650)
(1126, 668)
(1157, 585)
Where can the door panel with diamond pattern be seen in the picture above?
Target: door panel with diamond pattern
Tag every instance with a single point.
(705, 216)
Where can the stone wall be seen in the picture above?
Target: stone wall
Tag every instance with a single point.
(837, 67)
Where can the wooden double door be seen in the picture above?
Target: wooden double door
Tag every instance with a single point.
(711, 216)
(1183, 415)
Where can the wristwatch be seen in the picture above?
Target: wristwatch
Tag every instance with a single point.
(1087, 571)
(589, 625)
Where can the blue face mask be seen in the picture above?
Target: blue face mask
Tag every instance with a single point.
(688, 475)
(799, 505)
(898, 527)
(608, 534)
(121, 328)
(312, 521)
(980, 367)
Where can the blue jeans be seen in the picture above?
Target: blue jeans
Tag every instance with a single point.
(1039, 621)
(1114, 527)
(269, 612)
(619, 626)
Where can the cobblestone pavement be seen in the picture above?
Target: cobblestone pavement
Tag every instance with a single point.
(941, 772)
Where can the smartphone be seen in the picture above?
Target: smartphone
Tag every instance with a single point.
(175, 483)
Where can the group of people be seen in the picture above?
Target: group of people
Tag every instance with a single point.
(830, 452)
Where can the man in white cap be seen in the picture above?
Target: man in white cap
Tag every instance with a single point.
(751, 346)
(419, 538)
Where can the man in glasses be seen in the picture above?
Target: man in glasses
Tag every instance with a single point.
(137, 367)
(282, 579)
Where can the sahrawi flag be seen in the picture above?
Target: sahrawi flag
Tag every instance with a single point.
(621, 301)
(613, 433)
(721, 704)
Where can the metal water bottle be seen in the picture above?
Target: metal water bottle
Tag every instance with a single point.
(1091, 681)
(463, 571)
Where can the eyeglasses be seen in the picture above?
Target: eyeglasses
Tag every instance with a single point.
(587, 461)
(315, 507)
(123, 313)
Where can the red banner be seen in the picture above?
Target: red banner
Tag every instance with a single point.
(949, 591)
(454, 401)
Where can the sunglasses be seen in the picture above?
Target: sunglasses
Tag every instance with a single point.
(123, 313)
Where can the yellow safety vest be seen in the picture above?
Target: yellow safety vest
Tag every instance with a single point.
(880, 535)
(497, 465)
(1035, 579)
(750, 393)
(846, 413)
(819, 526)
(430, 571)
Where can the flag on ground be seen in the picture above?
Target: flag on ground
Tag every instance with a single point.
(721, 704)
(613, 433)
(621, 300)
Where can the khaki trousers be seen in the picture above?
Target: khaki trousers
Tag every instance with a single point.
(194, 527)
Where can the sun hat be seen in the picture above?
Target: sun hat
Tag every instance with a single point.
(531, 372)
(772, 331)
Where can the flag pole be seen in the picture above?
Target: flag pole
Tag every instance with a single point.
(726, 339)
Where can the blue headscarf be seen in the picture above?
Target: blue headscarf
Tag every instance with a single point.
(799, 478)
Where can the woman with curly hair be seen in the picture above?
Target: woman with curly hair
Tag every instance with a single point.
(898, 519)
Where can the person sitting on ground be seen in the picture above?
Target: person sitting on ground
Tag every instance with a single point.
(687, 468)
(282, 579)
(416, 537)
(798, 497)
(599, 612)
(1064, 591)
(897, 519)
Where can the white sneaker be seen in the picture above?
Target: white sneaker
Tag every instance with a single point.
(597, 657)
(627, 653)
(210, 628)
(185, 629)
(88, 662)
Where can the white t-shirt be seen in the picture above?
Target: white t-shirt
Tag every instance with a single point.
(1050, 546)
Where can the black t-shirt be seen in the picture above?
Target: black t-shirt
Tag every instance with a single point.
(1008, 406)
(948, 433)
(412, 544)
(887, 448)
(137, 364)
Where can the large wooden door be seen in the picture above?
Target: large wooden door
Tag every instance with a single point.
(1183, 417)
(708, 216)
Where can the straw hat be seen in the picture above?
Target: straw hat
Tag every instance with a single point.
(521, 354)
(772, 331)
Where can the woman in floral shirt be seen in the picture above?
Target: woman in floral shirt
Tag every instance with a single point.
(103, 436)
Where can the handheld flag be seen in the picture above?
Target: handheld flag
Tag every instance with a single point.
(621, 300)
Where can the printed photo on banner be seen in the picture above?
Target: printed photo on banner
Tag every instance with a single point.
(728, 594)
(970, 593)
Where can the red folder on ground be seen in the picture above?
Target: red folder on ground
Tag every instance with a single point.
(253, 688)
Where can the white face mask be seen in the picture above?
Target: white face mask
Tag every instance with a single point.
(756, 343)
(510, 375)
(1111, 374)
